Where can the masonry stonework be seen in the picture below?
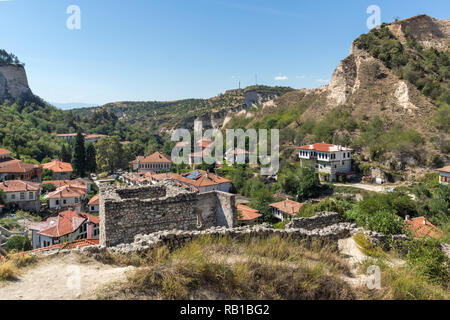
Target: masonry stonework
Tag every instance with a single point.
(126, 212)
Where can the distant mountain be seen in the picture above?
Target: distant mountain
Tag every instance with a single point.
(72, 105)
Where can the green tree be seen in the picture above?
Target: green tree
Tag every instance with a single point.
(48, 187)
(110, 155)
(309, 183)
(47, 175)
(79, 156)
(91, 162)
(65, 154)
(19, 243)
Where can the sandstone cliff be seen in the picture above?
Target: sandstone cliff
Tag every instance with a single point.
(13, 82)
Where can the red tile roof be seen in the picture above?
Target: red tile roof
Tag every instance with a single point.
(238, 151)
(67, 192)
(95, 201)
(288, 206)
(63, 223)
(63, 183)
(4, 152)
(58, 166)
(17, 166)
(421, 227)
(19, 186)
(67, 245)
(324, 147)
(444, 169)
(204, 179)
(156, 157)
(247, 213)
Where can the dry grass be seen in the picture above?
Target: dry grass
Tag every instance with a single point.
(402, 282)
(13, 265)
(365, 246)
(272, 268)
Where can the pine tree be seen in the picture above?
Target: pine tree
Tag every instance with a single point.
(79, 156)
(65, 155)
(91, 164)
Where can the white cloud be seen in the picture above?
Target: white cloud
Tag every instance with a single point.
(323, 80)
(281, 78)
(300, 77)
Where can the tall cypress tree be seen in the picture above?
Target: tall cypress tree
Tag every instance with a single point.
(65, 155)
(91, 164)
(79, 156)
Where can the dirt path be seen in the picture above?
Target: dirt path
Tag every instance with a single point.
(353, 255)
(62, 278)
(362, 186)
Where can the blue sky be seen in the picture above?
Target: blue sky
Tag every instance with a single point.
(173, 49)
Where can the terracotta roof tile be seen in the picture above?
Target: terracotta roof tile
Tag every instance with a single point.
(19, 186)
(4, 152)
(17, 166)
(324, 147)
(421, 227)
(67, 192)
(95, 201)
(156, 157)
(247, 213)
(288, 206)
(58, 166)
(444, 169)
(203, 179)
(63, 223)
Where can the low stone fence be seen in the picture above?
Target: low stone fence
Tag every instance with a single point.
(177, 238)
(320, 220)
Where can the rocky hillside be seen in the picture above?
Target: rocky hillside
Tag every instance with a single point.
(160, 116)
(389, 99)
(13, 82)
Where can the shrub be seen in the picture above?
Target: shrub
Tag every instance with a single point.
(7, 271)
(48, 187)
(18, 243)
(428, 258)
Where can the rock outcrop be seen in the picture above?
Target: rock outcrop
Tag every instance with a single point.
(13, 82)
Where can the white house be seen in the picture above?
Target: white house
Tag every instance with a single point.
(25, 194)
(444, 175)
(328, 159)
(94, 204)
(156, 162)
(66, 196)
(285, 210)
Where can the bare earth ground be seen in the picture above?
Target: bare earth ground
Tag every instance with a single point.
(349, 250)
(62, 278)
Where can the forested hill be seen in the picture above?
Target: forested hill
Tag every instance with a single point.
(160, 116)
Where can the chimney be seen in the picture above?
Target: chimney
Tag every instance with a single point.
(424, 221)
(78, 208)
(407, 218)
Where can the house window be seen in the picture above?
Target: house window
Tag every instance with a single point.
(64, 201)
(22, 196)
(57, 202)
(31, 195)
(342, 162)
(76, 200)
(13, 197)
